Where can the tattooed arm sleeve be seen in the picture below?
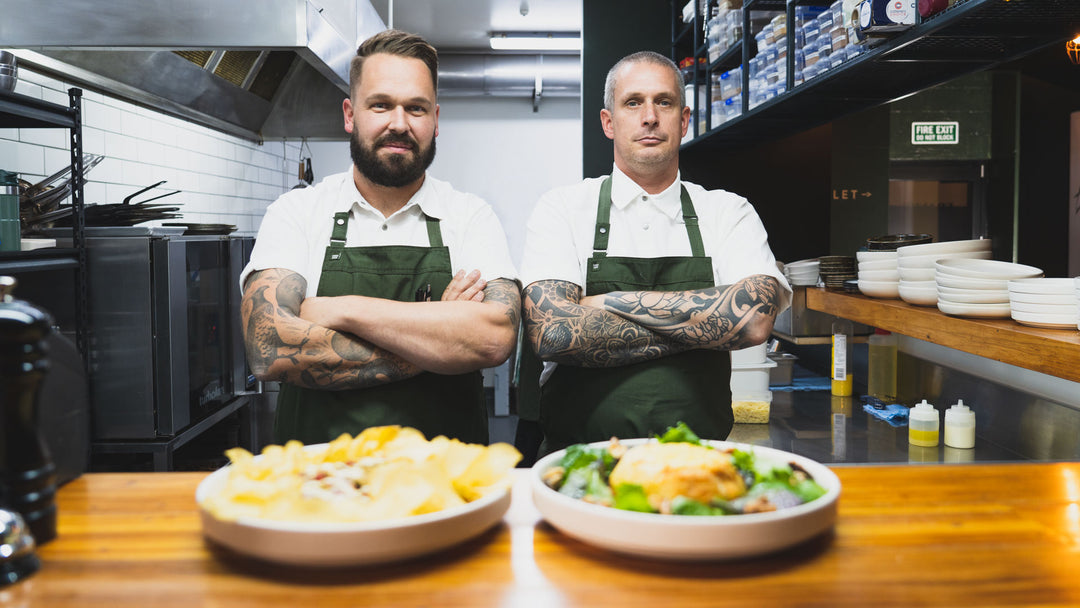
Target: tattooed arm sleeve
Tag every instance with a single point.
(725, 317)
(561, 330)
(283, 347)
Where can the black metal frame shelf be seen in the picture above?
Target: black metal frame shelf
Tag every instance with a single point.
(25, 112)
(969, 36)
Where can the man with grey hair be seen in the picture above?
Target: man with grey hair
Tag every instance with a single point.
(351, 299)
(638, 284)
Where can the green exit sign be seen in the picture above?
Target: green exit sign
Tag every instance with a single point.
(923, 133)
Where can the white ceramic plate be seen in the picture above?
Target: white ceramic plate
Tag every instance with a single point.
(879, 275)
(868, 256)
(687, 537)
(878, 265)
(917, 274)
(1049, 309)
(987, 311)
(813, 262)
(1044, 298)
(1047, 321)
(920, 293)
(987, 269)
(928, 260)
(1043, 285)
(348, 544)
(880, 289)
(948, 280)
(946, 247)
(973, 296)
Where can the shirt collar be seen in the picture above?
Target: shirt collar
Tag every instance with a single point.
(625, 191)
(425, 198)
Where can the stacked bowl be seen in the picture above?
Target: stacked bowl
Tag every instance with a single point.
(835, 269)
(1041, 302)
(891, 242)
(916, 266)
(803, 272)
(878, 274)
(977, 288)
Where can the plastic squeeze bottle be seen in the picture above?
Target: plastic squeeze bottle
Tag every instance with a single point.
(923, 425)
(842, 333)
(960, 426)
(881, 381)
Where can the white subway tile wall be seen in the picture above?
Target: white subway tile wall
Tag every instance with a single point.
(223, 179)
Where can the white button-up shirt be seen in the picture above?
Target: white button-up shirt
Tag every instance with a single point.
(296, 229)
(559, 240)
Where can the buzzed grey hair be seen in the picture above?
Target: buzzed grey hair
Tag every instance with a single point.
(642, 57)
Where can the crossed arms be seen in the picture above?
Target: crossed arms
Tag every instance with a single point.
(625, 327)
(344, 342)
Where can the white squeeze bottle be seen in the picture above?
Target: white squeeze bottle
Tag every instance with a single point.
(960, 426)
(923, 425)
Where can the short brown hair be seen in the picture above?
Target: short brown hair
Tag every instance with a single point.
(395, 42)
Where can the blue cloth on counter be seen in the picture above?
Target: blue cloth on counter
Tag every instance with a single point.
(805, 383)
(895, 414)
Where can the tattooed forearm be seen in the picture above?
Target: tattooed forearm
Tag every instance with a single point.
(728, 317)
(281, 346)
(506, 292)
(561, 330)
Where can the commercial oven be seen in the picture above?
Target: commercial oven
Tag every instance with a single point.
(166, 348)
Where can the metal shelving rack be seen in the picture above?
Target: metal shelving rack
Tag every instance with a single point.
(969, 36)
(23, 112)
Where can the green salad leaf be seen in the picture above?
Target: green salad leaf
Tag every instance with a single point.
(682, 505)
(680, 433)
(631, 497)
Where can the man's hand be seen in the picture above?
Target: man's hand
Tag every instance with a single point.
(465, 287)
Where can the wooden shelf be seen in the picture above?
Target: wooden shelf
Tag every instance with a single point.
(1051, 351)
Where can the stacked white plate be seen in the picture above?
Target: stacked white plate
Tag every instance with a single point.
(1053, 303)
(802, 272)
(878, 276)
(915, 263)
(978, 288)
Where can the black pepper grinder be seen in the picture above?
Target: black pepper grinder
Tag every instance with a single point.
(27, 473)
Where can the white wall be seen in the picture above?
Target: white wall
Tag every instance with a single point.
(498, 149)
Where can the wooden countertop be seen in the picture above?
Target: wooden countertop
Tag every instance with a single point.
(909, 535)
(1051, 351)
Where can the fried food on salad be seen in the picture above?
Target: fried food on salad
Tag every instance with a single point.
(668, 470)
(383, 473)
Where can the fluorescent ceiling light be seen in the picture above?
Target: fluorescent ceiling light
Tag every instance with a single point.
(536, 41)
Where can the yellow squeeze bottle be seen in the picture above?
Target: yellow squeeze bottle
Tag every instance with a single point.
(924, 425)
(842, 381)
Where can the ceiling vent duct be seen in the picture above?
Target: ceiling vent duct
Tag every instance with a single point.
(266, 69)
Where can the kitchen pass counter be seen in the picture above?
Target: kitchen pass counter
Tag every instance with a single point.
(948, 535)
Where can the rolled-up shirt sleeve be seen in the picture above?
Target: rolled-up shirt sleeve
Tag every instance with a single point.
(550, 249)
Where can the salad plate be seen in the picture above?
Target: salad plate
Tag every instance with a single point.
(691, 537)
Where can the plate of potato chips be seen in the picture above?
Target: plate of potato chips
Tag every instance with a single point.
(387, 494)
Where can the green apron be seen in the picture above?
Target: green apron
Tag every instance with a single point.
(579, 405)
(451, 405)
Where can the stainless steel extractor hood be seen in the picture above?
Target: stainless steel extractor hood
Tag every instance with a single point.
(259, 70)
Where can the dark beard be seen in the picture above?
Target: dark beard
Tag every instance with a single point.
(399, 170)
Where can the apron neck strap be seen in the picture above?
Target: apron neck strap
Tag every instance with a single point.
(603, 221)
(434, 232)
(341, 226)
(692, 230)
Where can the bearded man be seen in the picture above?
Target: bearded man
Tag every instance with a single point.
(357, 297)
